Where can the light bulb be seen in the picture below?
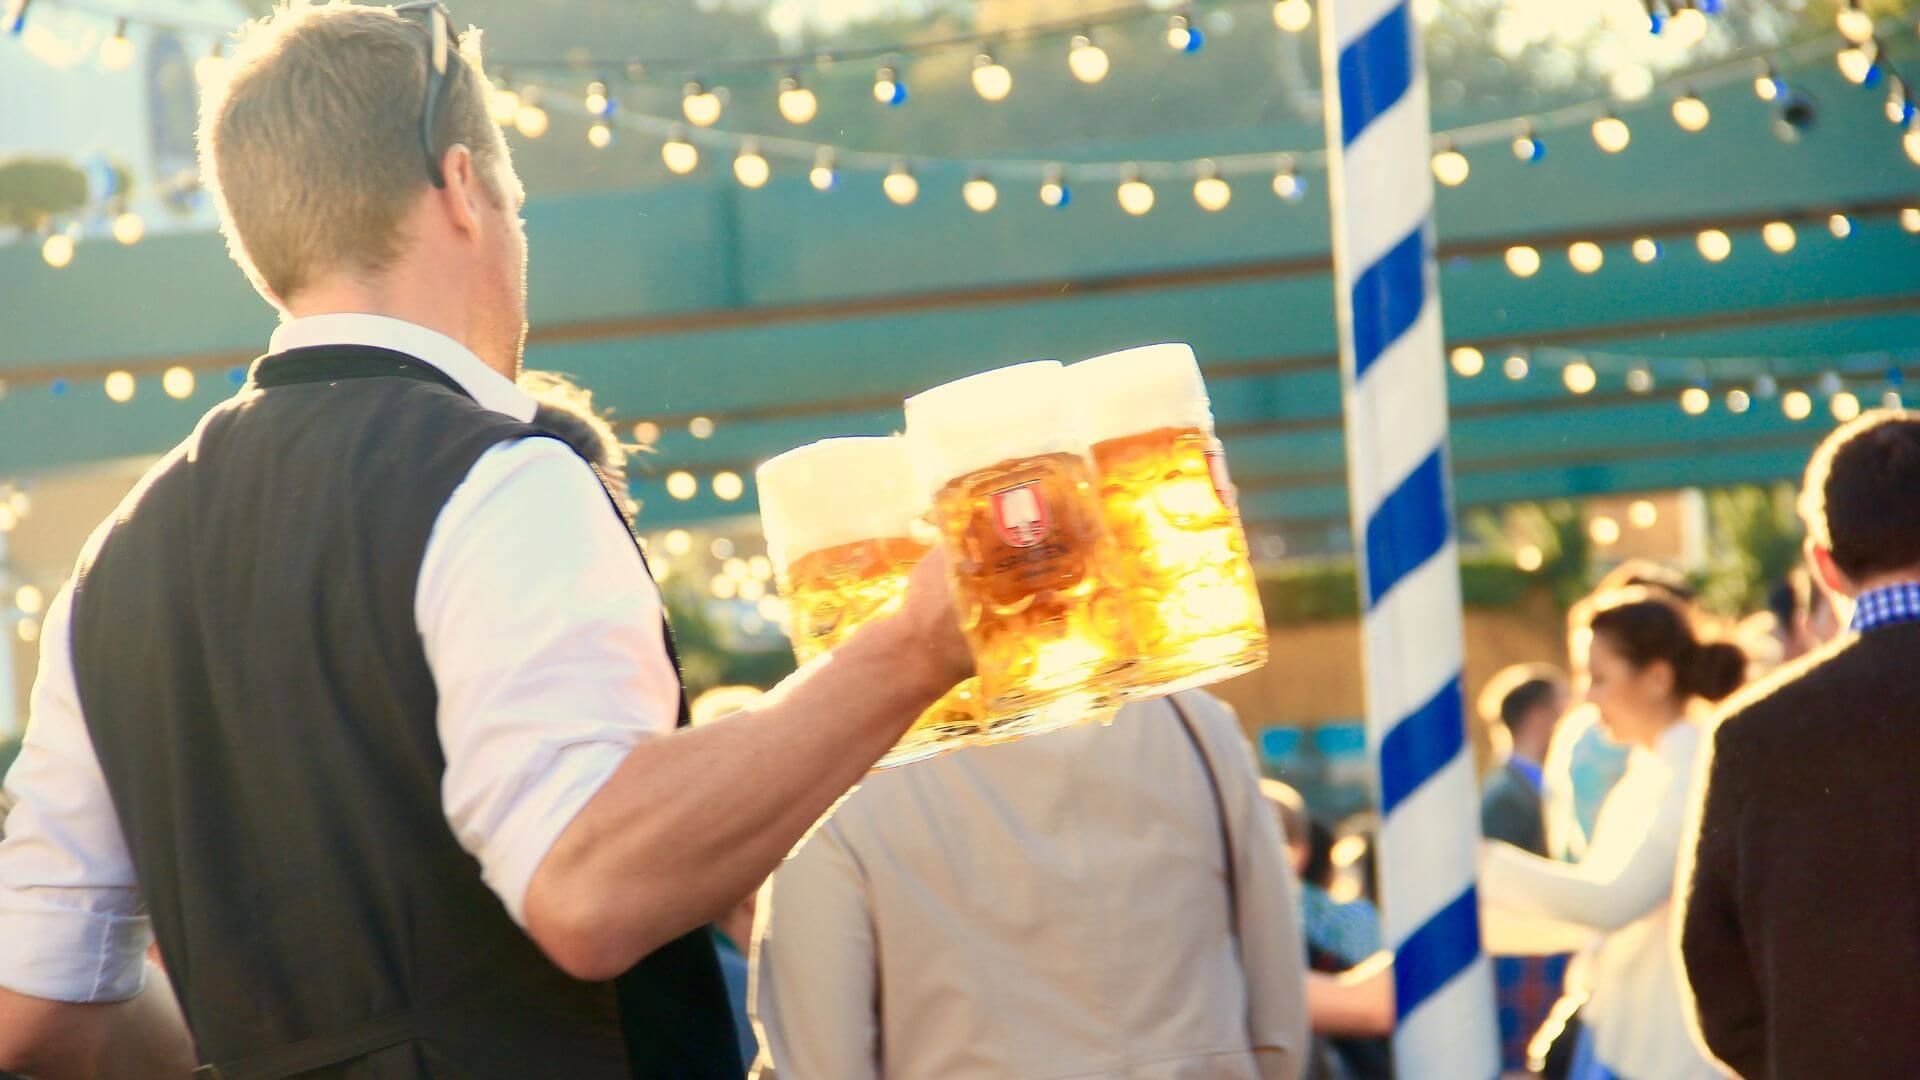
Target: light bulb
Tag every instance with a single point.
(1687, 28)
(1451, 167)
(1911, 141)
(900, 185)
(1604, 530)
(1182, 36)
(600, 135)
(1528, 147)
(503, 104)
(1529, 558)
(212, 67)
(1053, 188)
(1210, 191)
(596, 100)
(701, 105)
(728, 485)
(1778, 236)
(1854, 24)
(1468, 361)
(1087, 61)
(1135, 194)
(1845, 406)
(797, 103)
(116, 53)
(1579, 377)
(531, 120)
(991, 79)
(1646, 249)
(1767, 85)
(682, 485)
(1515, 367)
(1714, 244)
(1891, 400)
(120, 387)
(888, 88)
(57, 250)
(1840, 226)
(177, 382)
(823, 175)
(1899, 108)
(1610, 133)
(1586, 256)
(1695, 400)
(980, 194)
(1910, 219)
(1288, 185)
(1796, 404)
(1856, 62)
(1292, 16)
(680, 156)
(1523, 261)
(750, 167)
(1765, 386)
(700, 427)
(1640, 380)
(129, 227)
(1738, 401)
(1691, 113)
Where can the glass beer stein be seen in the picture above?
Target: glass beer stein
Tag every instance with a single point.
(1015, 504)
(1166, 498)
(838, 516)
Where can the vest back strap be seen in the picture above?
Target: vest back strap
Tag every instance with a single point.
(318, 1052)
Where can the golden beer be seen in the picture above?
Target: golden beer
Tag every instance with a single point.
(816, 502)
(1029, 560)
(1165, 496)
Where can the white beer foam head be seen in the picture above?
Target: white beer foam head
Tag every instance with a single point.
(837, 491)
(979, 421)
(1135, 390)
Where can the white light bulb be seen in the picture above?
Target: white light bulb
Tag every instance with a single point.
(823, 175)
(1604, 530)
(1911, 142)
(750, 167)
(1611, 134)
(1840, 226)
(991, 79)
(129, 227)
(728, 485)
(887, 87)
(900, 186)
(1766, 86)
(1910, 219)
(1854, 24)
(1451, 167)
(682, 485)
(596, 100)
(116, 53)
(1738, 401)
(1646, 249)
(531, 120)
(1640, 380)
(1135, 195)
(177, 382)
(1845, 406)
(120, 387)
(797, 103)
(1695, 400)
(1714, 244)
(1778, 236)
(1516, 367)
(503, 105)
(1856, 62)
(1288, 185)
(980, 194)
(679, 155)
(1691, 113)
(1468, 361)
(1523, 261)
(1088, 62)
(1054, 192)
(57, 250)
(1579, 377)
(1292, 16)
(600, 135)
(1796, 404)
(1586, 256)
(701, 106)
(1212, 193)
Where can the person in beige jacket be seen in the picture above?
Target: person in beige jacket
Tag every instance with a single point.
(1104, 902)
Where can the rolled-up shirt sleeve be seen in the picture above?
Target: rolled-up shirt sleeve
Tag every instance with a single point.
(73, 925)
(543, 631)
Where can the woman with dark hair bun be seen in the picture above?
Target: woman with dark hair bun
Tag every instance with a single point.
(1648, 676)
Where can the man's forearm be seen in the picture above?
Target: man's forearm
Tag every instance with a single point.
(141, 1037)
(691, 822)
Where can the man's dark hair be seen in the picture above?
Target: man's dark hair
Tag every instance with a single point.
(1516, 691)
(1525, 698)
(1861, 499)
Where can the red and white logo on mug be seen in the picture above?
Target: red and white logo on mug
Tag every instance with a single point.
(1020, 515)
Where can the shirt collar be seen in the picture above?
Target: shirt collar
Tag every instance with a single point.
(1889, 604)
(488, 387)
(1528, 769)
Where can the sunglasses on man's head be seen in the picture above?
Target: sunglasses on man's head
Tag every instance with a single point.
(441, 42)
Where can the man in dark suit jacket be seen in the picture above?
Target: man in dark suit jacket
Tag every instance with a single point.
(1800, 917)
(1525, 700)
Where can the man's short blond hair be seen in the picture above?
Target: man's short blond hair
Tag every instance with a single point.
(310, 143)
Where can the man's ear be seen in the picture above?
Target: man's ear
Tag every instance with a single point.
(460, 199)
(1826, 572)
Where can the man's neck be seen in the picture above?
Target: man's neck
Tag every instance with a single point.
(341, 295)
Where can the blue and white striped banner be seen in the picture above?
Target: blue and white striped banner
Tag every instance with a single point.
(1379, 138)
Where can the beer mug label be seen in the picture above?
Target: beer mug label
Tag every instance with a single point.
(1222, 483)
(1020, 515)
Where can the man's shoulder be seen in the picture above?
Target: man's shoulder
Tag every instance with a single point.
(1785, 700)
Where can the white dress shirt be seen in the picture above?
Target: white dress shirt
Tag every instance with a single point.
(1617, 901)
(543, 633)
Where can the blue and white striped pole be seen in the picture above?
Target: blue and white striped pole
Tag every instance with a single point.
(1379, 139)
